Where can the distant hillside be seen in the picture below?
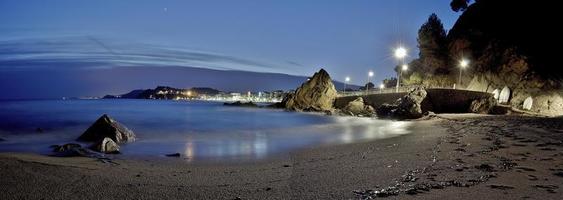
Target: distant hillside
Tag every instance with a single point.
(165, 92)
(120, 80)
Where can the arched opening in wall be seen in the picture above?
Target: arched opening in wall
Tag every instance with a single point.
(527, 105)
(504, 96)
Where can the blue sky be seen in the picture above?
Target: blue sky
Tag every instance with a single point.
(296, 37)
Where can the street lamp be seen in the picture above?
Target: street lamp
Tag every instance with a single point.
(400, 54)
(463, 63)
(404, 67)
(381, 87)
(346, 80)
(370, 75)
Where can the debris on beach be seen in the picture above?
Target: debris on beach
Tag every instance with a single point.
(173, 155)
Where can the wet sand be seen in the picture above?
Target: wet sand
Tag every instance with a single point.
(451, 157)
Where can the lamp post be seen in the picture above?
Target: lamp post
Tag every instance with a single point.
(463, 63)
(381, 87)
(400, 54)
(370, 75)
(405, 67)
(346, 80)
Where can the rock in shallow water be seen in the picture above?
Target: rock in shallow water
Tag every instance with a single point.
(241, 104)
(107, 145)
(358, 108)
(107, 127)
(173, 155)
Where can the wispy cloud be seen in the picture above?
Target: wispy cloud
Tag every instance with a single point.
(91, 52)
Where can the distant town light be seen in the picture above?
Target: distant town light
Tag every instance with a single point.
(405, 67)
(382, 86)
(400, 52)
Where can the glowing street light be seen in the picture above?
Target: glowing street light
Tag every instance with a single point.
(405, 67)
(346, 80)
(400, 54)
(370, 75)
(463, 63)
(381, 87)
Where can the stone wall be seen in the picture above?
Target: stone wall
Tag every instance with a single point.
(437, 100)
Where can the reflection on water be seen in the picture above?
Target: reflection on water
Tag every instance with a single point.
(198, 130)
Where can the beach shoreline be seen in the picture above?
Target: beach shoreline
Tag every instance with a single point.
(458, 156)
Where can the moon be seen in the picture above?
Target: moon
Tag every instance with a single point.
(165, 9)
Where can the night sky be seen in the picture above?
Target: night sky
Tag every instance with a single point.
(347, 38)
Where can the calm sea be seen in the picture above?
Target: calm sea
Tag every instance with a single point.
(198, 130)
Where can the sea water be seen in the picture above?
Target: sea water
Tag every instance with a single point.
(196, 129)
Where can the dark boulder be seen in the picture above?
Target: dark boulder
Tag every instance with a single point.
(483, 105)
(386, 110)
(241, 104)
(407, 107)
(107, 127)
(173, 155)
(316, 94)
(107, 145)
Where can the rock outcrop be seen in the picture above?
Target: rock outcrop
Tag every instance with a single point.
(317, 94)
(358, 108)
(241, 104)
(407, 107)
(483, 105)
(106, 145)
(510, 50)
(107, 127)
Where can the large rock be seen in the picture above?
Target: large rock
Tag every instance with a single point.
(358, 108)
(317, 94)
(483, 105)
(107, 145)
(407, 107)
(107, 127)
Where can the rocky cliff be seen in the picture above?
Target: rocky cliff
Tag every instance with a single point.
(316, 94)
(510, 45)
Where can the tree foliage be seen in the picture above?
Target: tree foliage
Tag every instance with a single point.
(459, 5)
(432, 45)
(369, 85)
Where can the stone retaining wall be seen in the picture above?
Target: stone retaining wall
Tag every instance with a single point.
(437, 100)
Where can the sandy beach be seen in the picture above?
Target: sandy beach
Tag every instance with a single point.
(462, 156)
